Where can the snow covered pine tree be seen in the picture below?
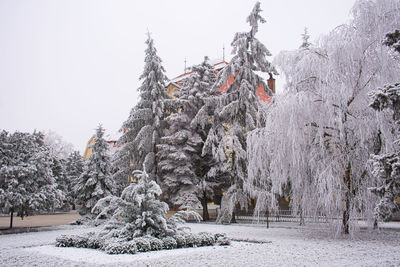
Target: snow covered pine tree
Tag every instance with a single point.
(141, 131)
(138, 212)
(73, 170)
(96, 181)
(239, 113)
(183, 168)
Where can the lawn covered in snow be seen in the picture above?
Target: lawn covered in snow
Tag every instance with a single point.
(283, 245)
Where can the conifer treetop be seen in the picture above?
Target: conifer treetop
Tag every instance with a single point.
(250, 55)
(305, 36)
(153, 74)
(254, 18)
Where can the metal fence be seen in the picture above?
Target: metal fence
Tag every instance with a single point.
(281, 215)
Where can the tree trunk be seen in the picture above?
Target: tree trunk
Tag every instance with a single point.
(233, 220)
(11, 218)
(267, 218)
(206, 216)
(346, 212)
(346, 216)
(301, 217)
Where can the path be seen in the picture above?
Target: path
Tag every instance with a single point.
(39, 220)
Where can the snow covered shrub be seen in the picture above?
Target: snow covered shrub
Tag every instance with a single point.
(121, 247)
(206, 239)
(222, 239)
(142, 244)
(169, 243)
(180, 241)
(192, 240)
(155, 243)
(217, 235)
(80, 241)
(64, 241)
(72, 241)
(94, 241)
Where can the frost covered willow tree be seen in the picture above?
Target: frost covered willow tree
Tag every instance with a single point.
(239, 110)
(27, 183)
(96, 181)
(319, 134)
(386, 166)
(141, 131)
(183, 168)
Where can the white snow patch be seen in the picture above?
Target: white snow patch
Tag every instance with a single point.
(289, 246)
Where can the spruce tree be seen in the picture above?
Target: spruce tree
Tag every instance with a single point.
(141, 131)
(305, 36)
(183, 167)
(73, 170)
(63, 184)
(137, 212)
(96, 181)
(178, 155)
(239, 111)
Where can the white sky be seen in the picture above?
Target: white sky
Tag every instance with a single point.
(69, 65)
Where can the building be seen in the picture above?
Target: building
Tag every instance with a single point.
(173, 86)
(176, 83)
(112, 144)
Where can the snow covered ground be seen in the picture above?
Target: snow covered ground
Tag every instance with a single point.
(283, 246)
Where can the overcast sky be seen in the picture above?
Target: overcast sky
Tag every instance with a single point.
(69, 65)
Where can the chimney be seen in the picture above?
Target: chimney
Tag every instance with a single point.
(271, 83)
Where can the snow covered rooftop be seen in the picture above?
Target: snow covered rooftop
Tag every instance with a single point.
(217, 63)
(112, 136)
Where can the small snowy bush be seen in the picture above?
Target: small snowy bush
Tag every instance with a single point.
(222, 240)
(64, 241)
(142, 244)
(94, 242)
(72, 241)
(120, 247)
(80, 241)
(155, 243)
(206, 239)
(117, 245)
(180, 241)
(169, 243)
(192, 240)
